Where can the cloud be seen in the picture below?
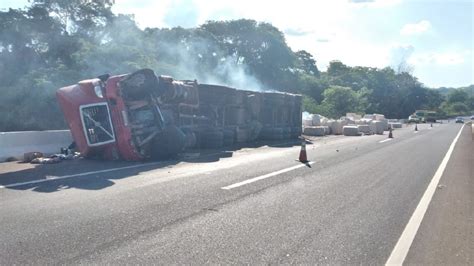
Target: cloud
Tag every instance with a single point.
(449, 58)
(322, 40)
(374, 3)
(400, 54)
(183, 13)
(361, 1)
(399, 58)
(416, 28)
(296, 32)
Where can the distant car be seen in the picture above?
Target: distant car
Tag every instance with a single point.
(472, 118)
(413, 119)
(459, 120)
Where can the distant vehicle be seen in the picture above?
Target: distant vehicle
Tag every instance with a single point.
(414, 119)
(472, 117)
(423, 116)
(459, 120)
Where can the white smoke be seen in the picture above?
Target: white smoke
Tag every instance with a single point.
(210, 66)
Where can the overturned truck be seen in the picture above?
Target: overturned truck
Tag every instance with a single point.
(141, 116)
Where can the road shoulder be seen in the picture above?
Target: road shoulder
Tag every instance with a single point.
(445, 236)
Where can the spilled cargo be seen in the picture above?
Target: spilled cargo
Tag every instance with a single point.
(142, 116)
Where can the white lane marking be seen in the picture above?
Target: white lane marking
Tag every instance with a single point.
(53, 178)
(385, 140)
(416, 131)
(403, 245)
(75, 175)
(255, 179)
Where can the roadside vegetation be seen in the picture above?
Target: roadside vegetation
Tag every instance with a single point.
(53, 43)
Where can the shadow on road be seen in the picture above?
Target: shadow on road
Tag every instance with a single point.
(101, 176)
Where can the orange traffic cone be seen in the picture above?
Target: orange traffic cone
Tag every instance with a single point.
(390, 134)
(303, 158)
(416, 127)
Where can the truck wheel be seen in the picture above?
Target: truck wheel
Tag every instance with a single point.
(139, 84)
(168, 143)
(212, 139)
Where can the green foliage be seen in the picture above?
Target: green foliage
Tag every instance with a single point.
(306, 63)
(457, 103)
(459, 108)
(55, 43)
(260, 46)
(341, 100)
(456, 96)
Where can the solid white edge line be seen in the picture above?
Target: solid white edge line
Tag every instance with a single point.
(75, 175)
(385, 140)
(255, 179)
(400, 251)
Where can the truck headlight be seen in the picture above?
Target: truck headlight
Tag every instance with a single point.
(98, 91)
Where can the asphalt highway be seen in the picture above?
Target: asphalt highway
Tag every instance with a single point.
(258, 205)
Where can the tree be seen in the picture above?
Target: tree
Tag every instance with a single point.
(341, 100)
(306, 63)
(260, 46)
(53, 43)
(457, 96)
(434, 99)
(311, 86)
(459, 108)
(337, 68)
(78, 16)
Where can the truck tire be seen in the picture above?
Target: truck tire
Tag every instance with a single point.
(139, 84)
(212, 139)
(168, 143)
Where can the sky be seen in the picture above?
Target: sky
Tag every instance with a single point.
(433, 37)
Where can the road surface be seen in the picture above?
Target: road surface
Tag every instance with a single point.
(350, 205)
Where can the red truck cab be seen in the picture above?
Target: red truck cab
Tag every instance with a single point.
(108, 121)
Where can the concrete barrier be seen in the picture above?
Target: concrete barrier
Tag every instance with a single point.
(15, 144)
(472, 127)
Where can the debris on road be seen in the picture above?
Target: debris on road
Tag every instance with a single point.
(364, 129)
(42, 160)
(351, 130)
(395, 125)
(368, 124)
(55, 158)
(314, 131)
(377, 127)
(30, 156)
